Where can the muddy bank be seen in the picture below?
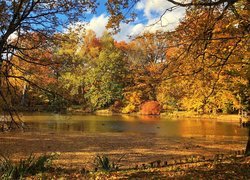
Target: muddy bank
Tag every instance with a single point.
(78, 150)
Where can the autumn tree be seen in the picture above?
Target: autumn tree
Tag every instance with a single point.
(32, 76)
(92, 69)
(208, 53)
(75, 55)
(146, 56)
(104, 78)
(210, 46)
(70, 69)
(20, 18)
(124, 10)
(215, 54)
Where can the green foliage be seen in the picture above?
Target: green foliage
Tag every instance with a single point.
(57, 103)
(71, 81)
(103, 80)
(31, 165)
(208, 72)
(72, 62)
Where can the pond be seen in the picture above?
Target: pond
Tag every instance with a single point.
(163, 126)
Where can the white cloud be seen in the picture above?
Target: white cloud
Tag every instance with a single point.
(152, 12)
(12, 38)
(128, 30)
(140, 5)
(124, 33)
(154, 9)
(155, 6)
(137, 29)
(97, 24)
(168, 21)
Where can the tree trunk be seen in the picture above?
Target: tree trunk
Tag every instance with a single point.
(24, 95)
(247, 152)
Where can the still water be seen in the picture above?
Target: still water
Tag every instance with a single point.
(132, 124)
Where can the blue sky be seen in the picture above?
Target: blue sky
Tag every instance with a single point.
(149, 12)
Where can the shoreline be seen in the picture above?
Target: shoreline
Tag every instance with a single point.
(234, 118)
(218, 117)
(79, 149)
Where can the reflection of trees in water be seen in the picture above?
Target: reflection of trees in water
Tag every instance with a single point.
(149, 118)
(210, 128)
(139, 124)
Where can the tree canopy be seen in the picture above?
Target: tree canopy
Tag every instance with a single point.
(202, 65)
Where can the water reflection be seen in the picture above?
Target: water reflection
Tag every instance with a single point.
(133, 124)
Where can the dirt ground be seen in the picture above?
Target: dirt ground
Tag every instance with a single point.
(78, 150)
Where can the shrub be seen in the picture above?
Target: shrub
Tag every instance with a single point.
(150, 108)
(105, 164)
(129, 109)
(31, 165)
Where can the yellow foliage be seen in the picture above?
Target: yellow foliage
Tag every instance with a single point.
(134, 97)
(128, 109)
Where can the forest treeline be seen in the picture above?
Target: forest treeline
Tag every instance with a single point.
(201, 66)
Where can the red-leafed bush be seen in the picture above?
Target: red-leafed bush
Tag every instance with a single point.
(150, 108)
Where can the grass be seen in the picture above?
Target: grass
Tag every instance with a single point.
(39, 168)
(29, 166)
(231, 168)
(105, 164)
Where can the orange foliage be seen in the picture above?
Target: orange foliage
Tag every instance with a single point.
(122, 45)
(171, 52)
(151, 108)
